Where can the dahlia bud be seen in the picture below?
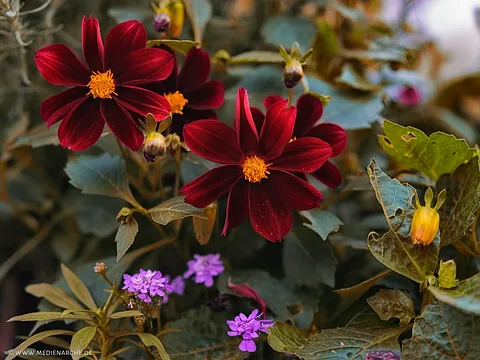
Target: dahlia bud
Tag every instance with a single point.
(203, 227)
(161, 22)
(153, 146)
(292, 74)
(426, 219)
(169, 15)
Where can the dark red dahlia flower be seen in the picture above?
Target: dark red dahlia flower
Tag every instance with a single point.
(105, 87)
(257, 167)
(190, 95)
(309, 112)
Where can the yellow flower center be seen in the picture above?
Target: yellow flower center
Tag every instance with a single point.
(177, 102)
(255, 169)
(292, 139)
(102, 85)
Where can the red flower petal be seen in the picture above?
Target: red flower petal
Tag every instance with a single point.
(190, 115)
(210, 186)
(329, 174)
(303, 155)
(214, 141)
(92, 44)
(309, 111)
(60, 66)
(143, 66)
(82, 127)
(270, 100)
(258, 118)
(237, 206)
(169, 85)
(195, 71)
(247, 291)
(56, 107)
(123, 39)
(299, 194)
(208, 96)
(270, 214)
(143, 101)
(121, 124)
(277, 129)
(244, 125)
(333, 134)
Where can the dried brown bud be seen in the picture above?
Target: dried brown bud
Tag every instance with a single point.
(124, 215)
(100, 268)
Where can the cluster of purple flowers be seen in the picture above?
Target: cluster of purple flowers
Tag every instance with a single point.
(205, 268)
(248, 328)
(147, 284)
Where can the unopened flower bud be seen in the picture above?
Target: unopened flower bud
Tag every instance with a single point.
(161, 22)
(154, 146)
(292, 74)
(124, 215)
(177, 14)
(426, 220)
(100, 268)
(203, 227)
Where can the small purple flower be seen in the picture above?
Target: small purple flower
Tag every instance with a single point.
(204, 268)
(147, 284)
(178, 285)
(248, 328)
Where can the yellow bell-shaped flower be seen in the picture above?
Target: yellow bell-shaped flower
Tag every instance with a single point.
(426, 219)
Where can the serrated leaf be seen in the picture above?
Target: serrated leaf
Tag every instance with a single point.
(54, 295)
(152, 340)
(443, 333)
(395, 249)
(181, 46)
(393, 303)
(125, 237)
(465, 296)
(48, 316)
(124, 314)
(257, 57)
(434, 155)
(81, 339)
(285, 338)
(100, 175)
(322, 222)
(33, 339)
(174, 209)
(285, 30)
(79, 289)
(462, 202)
(447, 275)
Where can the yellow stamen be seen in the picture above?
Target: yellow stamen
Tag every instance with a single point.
(102, 85)
(177, 102)
(292, 139)
(255, 169)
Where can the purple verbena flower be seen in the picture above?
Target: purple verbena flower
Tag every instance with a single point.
(178, 285)
(147, 284)
(204, 268)
(248, 328)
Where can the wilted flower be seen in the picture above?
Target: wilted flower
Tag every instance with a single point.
(426, 219)
(258, 166)
(382, 355)
(100, 268)
(248, 328)
(147, 285)
(205, 268)
(106, 89)
(161, 22)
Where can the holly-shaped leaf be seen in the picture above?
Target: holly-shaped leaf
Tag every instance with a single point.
(393, 303)
(174, 209)
(434, 155)
(462, 202)
(322, 222)
(444, 333)
(395, 249)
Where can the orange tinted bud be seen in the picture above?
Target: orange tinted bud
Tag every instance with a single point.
(424, 225)
(203, 227)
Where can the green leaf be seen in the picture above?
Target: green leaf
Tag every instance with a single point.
(38, 136)
(285, 30)
(322, 222)
(181, 46)
(447, 275)
(48, 316)
(443, 333)
(200, 12)
(81, 339)
(462, 202)
(100, 175)
(33, 339)
(78, 288)
(174, 209)
(152, 340)
(466, 296)
(434, 155)
(349, 343)
(395, 249)
(257, 57)
(124, 314)
(316, 256)
(354, 79)
(54, 295)
(126, 236)
(393, 304)
(285, 338)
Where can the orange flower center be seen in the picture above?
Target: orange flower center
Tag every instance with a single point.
(102, 85)
(255, 169)
(177, 102)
